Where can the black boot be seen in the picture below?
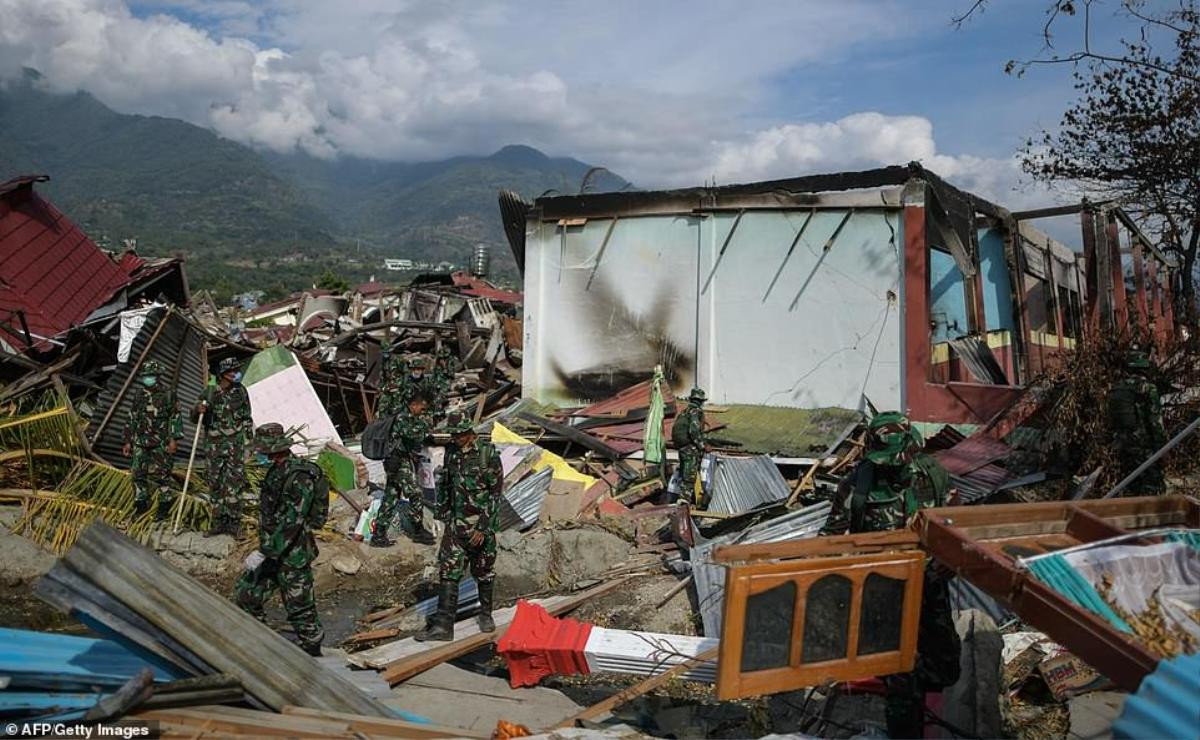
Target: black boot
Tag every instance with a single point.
(163, 512)
(379, 537)
(486, 591)
(441, 628)
(313, 650)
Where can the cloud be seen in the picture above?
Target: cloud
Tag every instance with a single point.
(661, 96)
(862, 141)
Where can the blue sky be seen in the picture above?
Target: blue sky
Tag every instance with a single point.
(665, 93)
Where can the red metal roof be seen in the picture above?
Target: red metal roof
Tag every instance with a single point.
(474, 286)
(371, 288)
(50, 272)
(632, 398)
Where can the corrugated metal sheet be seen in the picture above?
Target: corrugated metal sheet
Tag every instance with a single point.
(1167, 704)
(709, 578)
(46, 660)
(474, 286)
(632, 398)
(741, 484)
(523, 501)
(179, 348)
(971, 464)
(49, 270)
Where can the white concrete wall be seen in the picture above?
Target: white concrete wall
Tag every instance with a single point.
(825, 332)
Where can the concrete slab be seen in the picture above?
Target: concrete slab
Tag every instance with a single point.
(458, 698)
(1092, 715)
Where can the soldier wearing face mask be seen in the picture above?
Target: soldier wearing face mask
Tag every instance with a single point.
(152, 431)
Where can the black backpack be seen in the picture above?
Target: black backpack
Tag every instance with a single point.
(318, 510)
(377, 437)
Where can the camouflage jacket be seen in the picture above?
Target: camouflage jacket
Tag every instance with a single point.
(470, 489)
(876, 498)
(408, 433)
(154, 417)
(284, 499)
(688, 429)
(1135, 413)
(228, 411)
(392, 394)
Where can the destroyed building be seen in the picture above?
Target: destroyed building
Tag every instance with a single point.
(53, 278)
(814, 292)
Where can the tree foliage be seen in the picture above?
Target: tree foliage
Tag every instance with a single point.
(1133, 135)
(330, 280)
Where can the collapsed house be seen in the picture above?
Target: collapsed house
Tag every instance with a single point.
(53, 278)
(889, 285)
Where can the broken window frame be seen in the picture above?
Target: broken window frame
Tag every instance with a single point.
(745, 581)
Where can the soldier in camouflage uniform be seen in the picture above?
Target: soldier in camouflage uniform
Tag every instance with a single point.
(1135, 418)
(408, 433)
(883, 492)
(289, 507)
(687, 434)
(441, 379)
(228, 427)
(469, 504)
(151, 437)
(392, 376)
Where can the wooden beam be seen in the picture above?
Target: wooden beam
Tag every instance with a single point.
(900, 539)
(406, 668)
(621, 697)
(583, 439)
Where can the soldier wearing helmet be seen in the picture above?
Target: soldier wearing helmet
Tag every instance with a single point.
(894, 480)
(687, 434)
(1134, 411)
(151, 433)
(228, 428)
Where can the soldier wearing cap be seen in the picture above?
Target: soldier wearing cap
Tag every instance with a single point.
(228, 428)
(469, 504)
(151, 436)
(1135, 419)
(687, 434)
(883, 492)
(408, 433)
(293, 500)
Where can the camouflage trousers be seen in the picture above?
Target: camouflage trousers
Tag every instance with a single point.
(938, 649)
(401, 484)
(1151, 482)
(226, 476)
(455, 555)
(689, 468)
(295, 586)
(150, 469)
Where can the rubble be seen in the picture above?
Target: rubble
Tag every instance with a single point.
(589, 524)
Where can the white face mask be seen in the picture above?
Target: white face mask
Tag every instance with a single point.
(149, 380)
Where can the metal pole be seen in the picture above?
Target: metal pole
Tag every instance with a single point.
(1153, 458)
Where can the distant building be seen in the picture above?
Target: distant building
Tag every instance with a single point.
(398, 264)
(248, 301)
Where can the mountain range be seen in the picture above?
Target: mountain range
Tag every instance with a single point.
(246, 218)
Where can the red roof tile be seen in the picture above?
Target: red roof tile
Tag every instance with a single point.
(50, 272)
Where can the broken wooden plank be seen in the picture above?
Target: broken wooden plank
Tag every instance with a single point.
(583, 439)
(246, 722)
(408, 667)
(174, 606)
(621, 697)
